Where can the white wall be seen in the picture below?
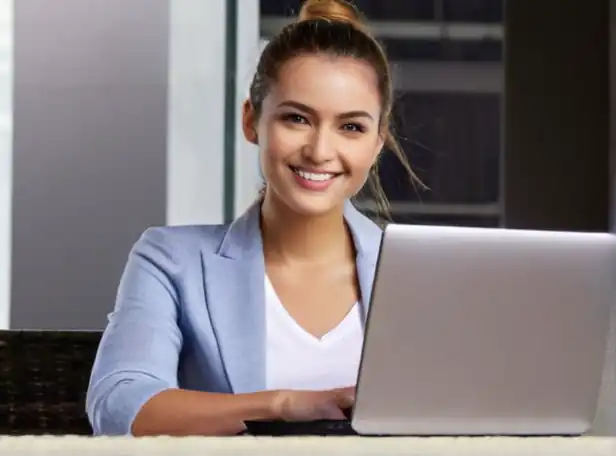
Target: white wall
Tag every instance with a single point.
(6, 157)
(195, 148)
(195, 154)
(247, 177)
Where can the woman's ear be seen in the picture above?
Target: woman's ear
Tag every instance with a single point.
(249, 122)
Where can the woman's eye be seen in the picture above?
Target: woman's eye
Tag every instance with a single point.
(295, 118)
(353, 128)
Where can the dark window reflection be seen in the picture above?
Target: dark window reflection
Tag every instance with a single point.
(399, 10)
(490, 11)
(485, 50)
(453, 143)
(454, 220)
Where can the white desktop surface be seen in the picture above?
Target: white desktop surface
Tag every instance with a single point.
(290, 446)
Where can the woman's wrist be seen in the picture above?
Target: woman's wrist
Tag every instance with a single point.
(267, 405)
(276, 404)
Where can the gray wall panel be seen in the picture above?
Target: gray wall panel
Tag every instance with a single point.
(556, 115)
(90, 116)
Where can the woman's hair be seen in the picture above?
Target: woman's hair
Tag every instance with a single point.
(333, 27)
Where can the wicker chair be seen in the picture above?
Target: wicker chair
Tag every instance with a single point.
(43, 380)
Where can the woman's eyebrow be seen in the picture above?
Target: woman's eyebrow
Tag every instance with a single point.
(307, 109)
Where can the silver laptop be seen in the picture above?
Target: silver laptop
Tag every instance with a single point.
(476, 331)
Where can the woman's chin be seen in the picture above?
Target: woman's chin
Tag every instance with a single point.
(313, 204)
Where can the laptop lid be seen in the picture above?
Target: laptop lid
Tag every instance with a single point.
(475, 331)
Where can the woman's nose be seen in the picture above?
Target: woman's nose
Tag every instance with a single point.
(320, 148)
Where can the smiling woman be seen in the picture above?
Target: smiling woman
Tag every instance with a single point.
(305, 126)
(263, 318)
(352, 91)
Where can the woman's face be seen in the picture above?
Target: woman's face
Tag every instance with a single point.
(318, 132)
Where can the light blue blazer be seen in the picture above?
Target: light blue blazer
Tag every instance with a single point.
(190, 314)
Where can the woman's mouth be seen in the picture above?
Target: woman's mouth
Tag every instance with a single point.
(313, 176)
(313, 180)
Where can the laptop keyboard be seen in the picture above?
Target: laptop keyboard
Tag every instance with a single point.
(318, 428)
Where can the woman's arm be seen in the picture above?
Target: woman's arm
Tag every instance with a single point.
(181, 412)
(133, 387)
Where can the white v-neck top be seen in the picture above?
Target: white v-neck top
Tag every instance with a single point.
(296, 359)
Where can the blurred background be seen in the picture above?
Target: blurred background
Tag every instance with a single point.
(116, 115)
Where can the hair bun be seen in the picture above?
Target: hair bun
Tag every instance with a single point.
(331, 10)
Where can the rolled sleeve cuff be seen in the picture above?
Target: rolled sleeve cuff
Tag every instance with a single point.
(114, 409)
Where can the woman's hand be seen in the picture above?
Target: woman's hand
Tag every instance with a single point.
(313, 405)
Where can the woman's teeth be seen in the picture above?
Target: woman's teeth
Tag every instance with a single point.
(318, 177)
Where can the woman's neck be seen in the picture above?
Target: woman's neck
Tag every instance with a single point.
(292, 237)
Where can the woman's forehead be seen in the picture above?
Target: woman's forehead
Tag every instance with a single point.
(326, 82)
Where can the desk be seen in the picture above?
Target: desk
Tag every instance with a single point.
(308, 446)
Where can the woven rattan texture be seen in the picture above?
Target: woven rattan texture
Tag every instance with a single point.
(43, 380)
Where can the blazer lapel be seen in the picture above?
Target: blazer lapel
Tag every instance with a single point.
(367, 239)
(234, 285)
(365, 275)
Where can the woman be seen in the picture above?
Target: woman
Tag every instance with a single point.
(262, 318)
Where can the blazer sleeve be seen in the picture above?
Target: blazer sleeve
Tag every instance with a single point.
(138, 354)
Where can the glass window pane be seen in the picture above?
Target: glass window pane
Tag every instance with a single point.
(490, 11)
(485, 50)
(452, 141)
(454, 220)
(375, 10)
